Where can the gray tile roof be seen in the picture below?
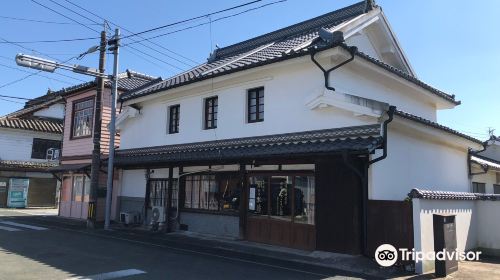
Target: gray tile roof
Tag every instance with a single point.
(485, 161)
(447, 195)
(70, 167)
(363, 139)
(26, 165)
(274, 47)
(32, 125)
(427, 122)
(33, 108)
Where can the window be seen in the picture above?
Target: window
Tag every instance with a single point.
(496, 189)
(288, 198)
(173, 119)
(40, 147)
(211, 112)
(211, 192)
(83, 112)
(255, 105)
(478, 187)
(158, 192)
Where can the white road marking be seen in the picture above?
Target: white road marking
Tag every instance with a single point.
(22, 225)
(111, 275)
(195, 252)
(9, 228)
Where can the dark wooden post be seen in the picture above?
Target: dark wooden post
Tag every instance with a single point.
(181, 193)
(243, 202)
(169, 198)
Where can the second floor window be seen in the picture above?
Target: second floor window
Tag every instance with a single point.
(255, 105)
(478, 187)
(83, 112)
(40, 147)
(211, 112)
(173, 118)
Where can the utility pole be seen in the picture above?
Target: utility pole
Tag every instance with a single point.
(96, 151)
(114, 46)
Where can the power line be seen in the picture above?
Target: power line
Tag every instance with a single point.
(21, 70)
(63, 15)
(155, 50)
(37, 21)
(190, 19)
(50, 41)
(205, 23)
(15, 97)
(60, 74)
(154, 43)
(11, 101)
(28, 76)
(163, 61)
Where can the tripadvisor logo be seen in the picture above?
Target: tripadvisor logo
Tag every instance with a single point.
(387, 255)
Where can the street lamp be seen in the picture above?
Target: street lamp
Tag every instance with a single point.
(50, 66)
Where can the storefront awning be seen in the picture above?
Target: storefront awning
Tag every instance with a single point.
(69, 167)
(359, 139)
(25, 166)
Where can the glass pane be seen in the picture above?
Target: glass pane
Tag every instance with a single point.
(204, 197)
(257, 198)
(66, 189)
(281, 195)
(213, 202)
(86, 189)
(195, 202)
(230, 193)
(77, 188)
(189, 187)
(304, 199)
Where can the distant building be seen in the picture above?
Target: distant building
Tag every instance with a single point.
(77, 146)
(30, 142)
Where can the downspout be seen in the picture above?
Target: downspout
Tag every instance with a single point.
(390, 113)
(326, 73)
(364, 178)
(469, 159)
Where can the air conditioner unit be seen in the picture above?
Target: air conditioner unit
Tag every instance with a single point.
(53, 154)
(158, 214)
(130, 218)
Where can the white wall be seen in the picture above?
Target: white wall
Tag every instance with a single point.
(55, 111)
(288, 87)
(466, 226)
(476, 226)
(16, 144)
(133, 183)
(415, 161)
(489, 179)
(488, 238)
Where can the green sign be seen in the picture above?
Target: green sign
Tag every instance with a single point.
(18, 193)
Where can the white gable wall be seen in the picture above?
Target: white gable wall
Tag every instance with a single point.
(415, 161)
(363, 43)
(288, 87)
(22, 140)
(54, 111)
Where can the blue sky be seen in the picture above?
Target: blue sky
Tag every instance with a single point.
(452, 45)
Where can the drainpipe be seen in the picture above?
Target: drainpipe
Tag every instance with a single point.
(363, 176)
(326, 73)
(469, 158)
(390, 113)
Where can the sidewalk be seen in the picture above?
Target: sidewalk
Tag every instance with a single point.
(263, 252)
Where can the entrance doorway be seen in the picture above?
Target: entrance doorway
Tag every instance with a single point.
(281, 209)
(75, 196)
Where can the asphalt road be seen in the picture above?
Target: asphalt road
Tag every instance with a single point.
(37, 247)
